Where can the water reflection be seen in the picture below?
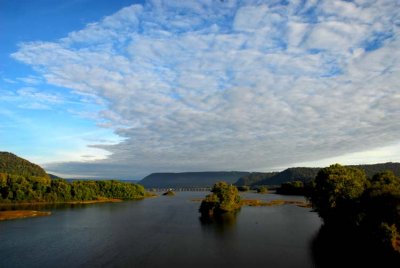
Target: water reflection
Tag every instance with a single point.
(219, 223)
(339, 247)
(150, 233)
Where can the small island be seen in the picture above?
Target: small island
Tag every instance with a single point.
(224, 198)
(262, 190)
(169, 193)
(292, 188)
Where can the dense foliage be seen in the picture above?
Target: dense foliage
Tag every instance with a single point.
(16, 188)
(343, 196)
(291, 188)
(337, 191)
(224, 198)
(12, 164)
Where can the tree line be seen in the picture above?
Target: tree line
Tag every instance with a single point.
(19, 188)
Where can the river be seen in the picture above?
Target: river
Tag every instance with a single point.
(164, 231)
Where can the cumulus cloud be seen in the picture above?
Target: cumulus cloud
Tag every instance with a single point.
(231, 85)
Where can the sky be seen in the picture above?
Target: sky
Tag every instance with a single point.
(121, 89)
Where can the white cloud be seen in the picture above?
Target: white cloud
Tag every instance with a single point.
(31, 98)
(336, 36)
(9, 81)
(226, 85)
(372, 156)
(30, 80)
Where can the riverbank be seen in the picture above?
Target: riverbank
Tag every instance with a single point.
(16, 210)
(20, 214)
(278, 202)
(103, 200)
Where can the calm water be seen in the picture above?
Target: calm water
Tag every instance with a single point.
(161, 232)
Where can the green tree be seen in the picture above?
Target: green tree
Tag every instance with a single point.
(382, 198)
(336, 193)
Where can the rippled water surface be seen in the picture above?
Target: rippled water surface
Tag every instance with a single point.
(161, 232)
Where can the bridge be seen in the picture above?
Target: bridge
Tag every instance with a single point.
(181, 189)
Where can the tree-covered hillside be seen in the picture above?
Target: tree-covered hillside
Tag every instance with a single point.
(12, 164)
(303, 174)
(254, 178)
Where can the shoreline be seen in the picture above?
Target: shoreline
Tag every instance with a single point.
(21, 214)
(111, 200)
(261, 203)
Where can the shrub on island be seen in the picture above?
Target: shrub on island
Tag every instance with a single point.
(262, 189)
(243, 188)
(291, 188)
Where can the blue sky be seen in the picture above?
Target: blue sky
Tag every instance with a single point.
(126, 88)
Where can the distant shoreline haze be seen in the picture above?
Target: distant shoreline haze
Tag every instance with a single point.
(197, 179)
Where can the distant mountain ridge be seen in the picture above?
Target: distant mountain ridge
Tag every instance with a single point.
(372, 169)
(238, 178)
(12, 164)
(306, 174)
(190, 179)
